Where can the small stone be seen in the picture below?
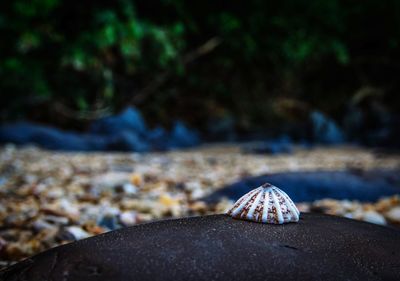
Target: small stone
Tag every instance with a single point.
(394, 215)
(374, 217)
(15, 219)
(109, 181)
(129, 188)
(167, 201)
(41, 224)
(30, 178)
(128, 218)
(197, 194)
(69, 208)
(47, 235)
(199, 207)
(77, 232)
(303, 207)
(14, 251)
(385, 204)
(109, 222)
(3, 244)
(242, 244)
(93, 228)
(3, 181)
(56, 220)
(223, 206)
(136, 179)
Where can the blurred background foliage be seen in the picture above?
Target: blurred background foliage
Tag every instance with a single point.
(253, 64)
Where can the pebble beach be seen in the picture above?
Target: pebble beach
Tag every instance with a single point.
(51, 198)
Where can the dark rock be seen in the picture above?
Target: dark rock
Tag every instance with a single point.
(23, 133)
(158, 139)
(325, 130)
(319, 247)
(2, 181)
(127, 141)
(181, 136)
(109, 222)
(310, 186)
(124, 132)
(128, 120)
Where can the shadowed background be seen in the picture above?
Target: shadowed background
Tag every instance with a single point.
(228, 69)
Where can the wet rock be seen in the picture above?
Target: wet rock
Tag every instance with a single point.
(221, 248)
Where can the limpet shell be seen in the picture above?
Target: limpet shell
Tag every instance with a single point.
(265, 204)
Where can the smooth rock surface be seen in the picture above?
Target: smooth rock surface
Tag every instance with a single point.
(217, 247)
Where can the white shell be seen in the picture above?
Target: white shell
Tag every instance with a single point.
(266, 204)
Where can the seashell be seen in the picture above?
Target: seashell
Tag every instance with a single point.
(265, 204)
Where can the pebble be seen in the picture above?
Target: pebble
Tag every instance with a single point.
(136, 179)
(373, 217)
(57, 220)
(394, 215)
(41, 224)
(3, 244)
(109, 222)
(128, 218)
(3, 181)
(109, 181)
(77, 232)
(129, 188)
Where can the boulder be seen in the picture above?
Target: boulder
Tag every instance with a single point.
(217, 247)
(309, 186)
(26, 133)
(126, 131)
(128, 120)
(325, 130)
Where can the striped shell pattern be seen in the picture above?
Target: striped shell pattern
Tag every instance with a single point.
(266, 204)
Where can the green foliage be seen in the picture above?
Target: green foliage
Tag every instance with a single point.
(103, 53)
(59, 50)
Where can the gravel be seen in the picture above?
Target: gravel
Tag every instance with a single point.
(52, 198)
